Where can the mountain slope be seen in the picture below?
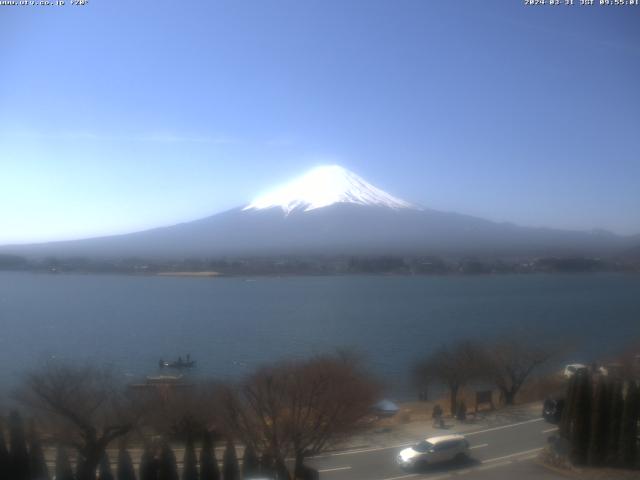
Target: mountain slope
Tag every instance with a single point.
(333, 230)
(331, 211)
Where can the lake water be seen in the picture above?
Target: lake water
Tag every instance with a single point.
(230, 325)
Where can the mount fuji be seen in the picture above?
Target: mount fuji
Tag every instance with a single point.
(325, 186)
(332, 211)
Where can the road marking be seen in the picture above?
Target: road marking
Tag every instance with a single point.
(464, 471)
(494, 465)
(482, 445)
(528, 457)
(503, 427)
(512, 455)
(550, 430)
(336, 469)
(409, 475)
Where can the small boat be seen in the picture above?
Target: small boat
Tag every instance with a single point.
(178, 364)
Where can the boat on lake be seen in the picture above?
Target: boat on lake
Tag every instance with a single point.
(178, 364)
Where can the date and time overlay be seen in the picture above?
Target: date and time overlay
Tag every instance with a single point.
(528, 3)
(44, 3)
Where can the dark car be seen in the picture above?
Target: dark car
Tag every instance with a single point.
(552, 409)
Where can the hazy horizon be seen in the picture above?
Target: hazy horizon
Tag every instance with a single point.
(490, 109)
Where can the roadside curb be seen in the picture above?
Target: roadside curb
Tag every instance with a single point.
(559, 471)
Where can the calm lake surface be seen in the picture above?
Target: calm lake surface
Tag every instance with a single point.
(230, 325)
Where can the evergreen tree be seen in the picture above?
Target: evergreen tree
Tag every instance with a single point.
(63, 469)
(4, 453)
(629, 427)
(148, 467)
(190, 462)
(105, 468)
(267, 465)
(18, 455)
(230, 468)
(125, 465)
(581, 419)
(282, 471)
(37, 463)
(567, 419)
(600, 419)
(208, 463)
(616, 404)
(250, 462)
(80, 463)
(168, 466)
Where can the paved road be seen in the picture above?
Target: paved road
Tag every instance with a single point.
(506, 451)
(504, 445)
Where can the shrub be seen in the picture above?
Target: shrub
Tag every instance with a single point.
(629, 427)
(581, 419)
(105, 468)
(4, 454)
(37, 463)
(63, 466)
(250, 462)
(616, 404)
(190, 471)
(125, 465)
(599, 423)
(148, 465)
(208, 463)
(168, 468)
(18, 456)
(230, 468)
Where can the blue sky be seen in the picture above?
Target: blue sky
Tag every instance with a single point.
(123, 115)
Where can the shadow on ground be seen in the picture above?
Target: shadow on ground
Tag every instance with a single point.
(447, 466)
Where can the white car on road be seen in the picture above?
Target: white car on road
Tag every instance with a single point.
(432, 450)
(573, 368)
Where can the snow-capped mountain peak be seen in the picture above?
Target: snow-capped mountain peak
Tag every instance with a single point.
(324, 186)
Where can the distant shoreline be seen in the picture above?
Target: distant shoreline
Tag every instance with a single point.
(189, 274)
(313, 265)
(214, 274)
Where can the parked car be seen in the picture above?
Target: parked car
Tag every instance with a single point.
(385, 408)
(552, 409)
(433, 450)
(573, 368)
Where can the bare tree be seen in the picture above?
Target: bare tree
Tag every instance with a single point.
(302, 407)
(510, 362)
(453, 366)
(329, 398)
(183, 411)
(83, 406)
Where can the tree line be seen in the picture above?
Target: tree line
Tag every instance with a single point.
(506, 363)
(23, 459)
(318, 265)
(289, 409)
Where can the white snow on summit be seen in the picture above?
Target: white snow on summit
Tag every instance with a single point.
(324, 186)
